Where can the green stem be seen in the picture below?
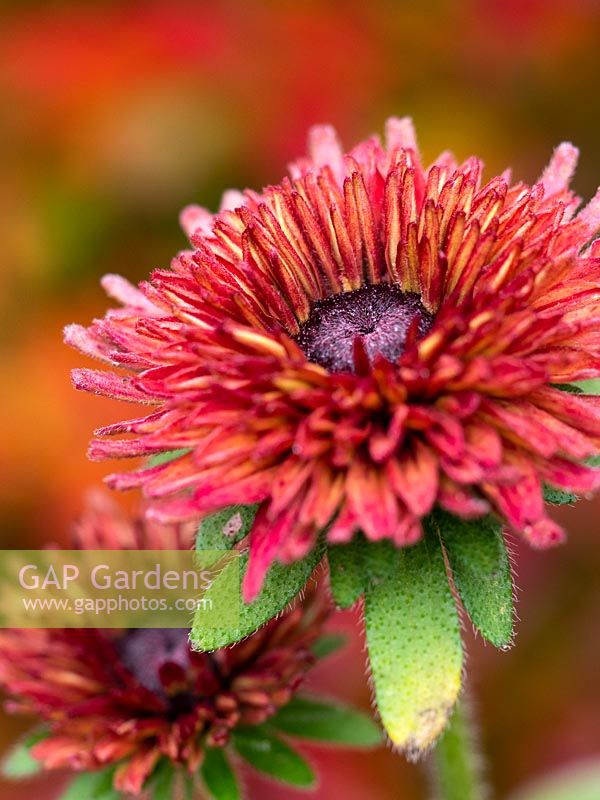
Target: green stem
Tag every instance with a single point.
(457, 763)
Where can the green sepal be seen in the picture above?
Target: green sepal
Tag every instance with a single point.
(18, 762)
(328, 644)
(282, 584)
(223, 530)
(218, 776)
(353, 566)
(558, 497)
(414, 644)
(482, 575)
(93, 786)
(347, 571)
(326, 721)
(270, 755)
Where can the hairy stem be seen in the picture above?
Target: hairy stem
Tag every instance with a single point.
(457, 763)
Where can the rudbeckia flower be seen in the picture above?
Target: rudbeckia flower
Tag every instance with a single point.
(376, 358)
(367, 340)
(139, 710)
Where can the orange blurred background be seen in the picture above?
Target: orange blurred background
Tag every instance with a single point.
(115, 115)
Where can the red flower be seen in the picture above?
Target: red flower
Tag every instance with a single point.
(135, 697)
(364, 341)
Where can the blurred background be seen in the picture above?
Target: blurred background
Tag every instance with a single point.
(115, 115)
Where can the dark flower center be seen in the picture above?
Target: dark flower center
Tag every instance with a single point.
(145, 651)
(380, 315)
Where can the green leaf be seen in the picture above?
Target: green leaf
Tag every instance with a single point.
(347, 571)
(354, 565)
(162, 781)
(581, 782)
(221, 531)
(268, 754)
(92, 786)
(18, 762)
(218, 775)
(481, 568)
(324, 721)
(414, 645)
(380, 560)
(558, 497)
(328, 644)
(168, 455)
(282, 584)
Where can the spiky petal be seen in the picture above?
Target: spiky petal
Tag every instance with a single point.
(366, 432)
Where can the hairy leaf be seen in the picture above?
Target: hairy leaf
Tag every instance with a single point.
(281, 586)
(221, 531)
(481, 568)
(347, 571)
(558, 497)
(354, 565)
(414, 645)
